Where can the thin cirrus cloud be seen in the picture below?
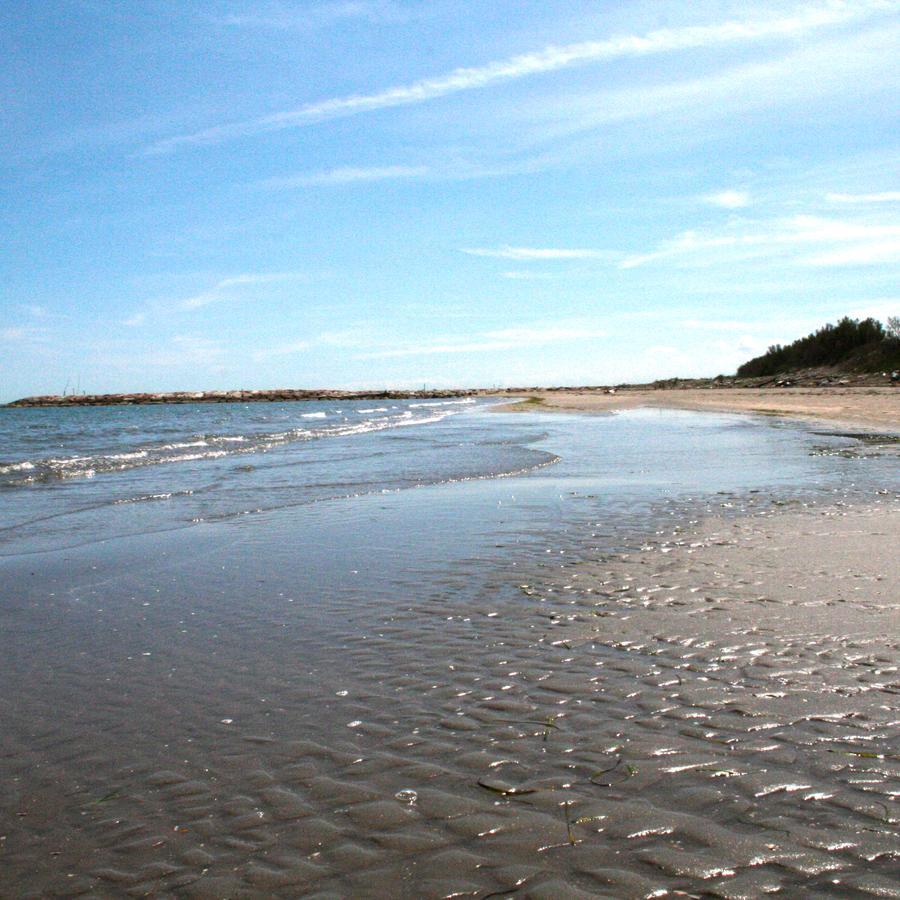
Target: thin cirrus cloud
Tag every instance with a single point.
(20, 334)
(866, 253)
(491, 341)
(729, 199)
(803, 239)
(224, 289)
(13, 333)
(440, 170)
(526, 275)
(346, 175)
(340, 340)
(186, 352)
(722, 325)
(544, 254)
(805, 74)
(279, 17)
(289, 349)
(883, 197)
(550, 59)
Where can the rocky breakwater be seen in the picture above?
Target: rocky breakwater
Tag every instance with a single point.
(278, 395)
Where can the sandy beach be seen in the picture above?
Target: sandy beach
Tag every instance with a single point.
(710, 708)
(713, 712)
(863, 407)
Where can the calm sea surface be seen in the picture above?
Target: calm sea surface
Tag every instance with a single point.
(201, 604)
(75, 476)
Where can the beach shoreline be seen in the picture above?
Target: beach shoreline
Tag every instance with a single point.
(709, 711)
(868, 408)
(703, 703)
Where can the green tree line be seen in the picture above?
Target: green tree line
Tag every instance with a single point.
(859, 346)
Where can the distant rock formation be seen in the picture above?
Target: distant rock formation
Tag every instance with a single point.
(279, 395)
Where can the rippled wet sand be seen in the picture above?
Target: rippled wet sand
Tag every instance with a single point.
(714, 713)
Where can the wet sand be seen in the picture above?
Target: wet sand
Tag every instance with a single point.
(867, 407)
(713, 712)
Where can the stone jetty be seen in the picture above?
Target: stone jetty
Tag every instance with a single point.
(278, 395)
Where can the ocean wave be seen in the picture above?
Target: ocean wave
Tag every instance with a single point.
(212, 446)
(465, 400)
(180, 445)
(16, 467)
(547, 459)
(144, 498)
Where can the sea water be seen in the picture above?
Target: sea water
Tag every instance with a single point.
(71, 476)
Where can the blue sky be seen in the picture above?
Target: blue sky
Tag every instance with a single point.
(374, 193)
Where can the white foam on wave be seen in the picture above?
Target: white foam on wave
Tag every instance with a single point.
(143, 498)
(183, 444)
(137, 454)
(16, 467)
(379, 425)
(443, 402)
(88, 466)
(65, 462)
(212, 454)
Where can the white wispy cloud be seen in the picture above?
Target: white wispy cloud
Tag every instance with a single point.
(550, 59)
(492, 341)
(718, 356)
(883, 197)
(43, 314)
(13, 333)
(720, 325)
(346, 175)
(808, 73)
(20, 334)
(289, 349)
(223, 289)
(347, 339)
(877, 308)
(189, 353)
(440, 169)
(191, 348)
(279, 16)
(750, 329)
(840, 242)
(867, 253)
(546, 333)
(519, 275)
(730, 199)
(431, 349)
(523, 254)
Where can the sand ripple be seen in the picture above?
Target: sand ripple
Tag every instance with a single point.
(718, 719)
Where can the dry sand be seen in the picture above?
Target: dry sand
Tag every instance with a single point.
(865, 407)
